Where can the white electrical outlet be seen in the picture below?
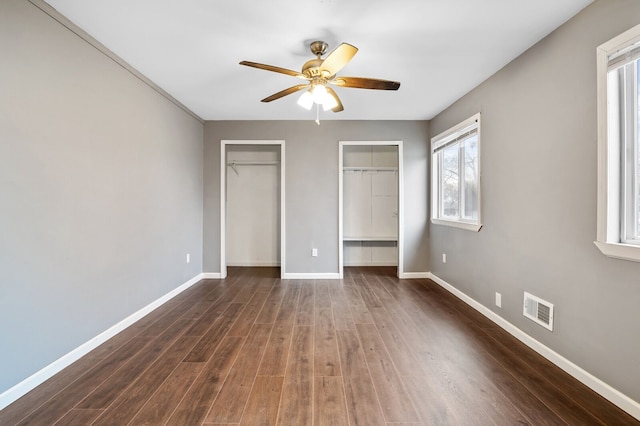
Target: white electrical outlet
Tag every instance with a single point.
(498, 300)
(314, 252)
(444, 257)
(188, 257)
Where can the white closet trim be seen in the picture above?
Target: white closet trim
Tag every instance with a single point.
(341, 170)
(223, 198)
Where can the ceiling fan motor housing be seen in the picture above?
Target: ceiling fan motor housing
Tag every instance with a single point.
(311, 68)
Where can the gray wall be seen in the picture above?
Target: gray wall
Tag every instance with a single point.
(101, 192)
(311, 180)
(539, 202)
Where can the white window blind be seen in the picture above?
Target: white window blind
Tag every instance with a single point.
(624, 56)
(465, 133)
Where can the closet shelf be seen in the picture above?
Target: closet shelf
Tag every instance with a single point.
(371, 238)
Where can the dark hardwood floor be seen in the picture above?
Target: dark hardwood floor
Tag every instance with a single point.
(367, 350)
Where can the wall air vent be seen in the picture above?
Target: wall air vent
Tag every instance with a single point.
(538, 310)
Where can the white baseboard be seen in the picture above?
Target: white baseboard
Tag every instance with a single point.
(312, 276)
(414, 275)
(15, 392)
(211, 276)
(615, 396)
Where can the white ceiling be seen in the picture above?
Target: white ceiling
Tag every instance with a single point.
(437, 49)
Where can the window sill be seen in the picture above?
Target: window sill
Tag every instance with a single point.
(455, 224)
(619, 250)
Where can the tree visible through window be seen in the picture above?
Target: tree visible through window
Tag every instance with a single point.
(450, 199)
(456, 175)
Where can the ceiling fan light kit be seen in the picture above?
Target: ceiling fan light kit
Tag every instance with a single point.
(320, 74)
(318, 95)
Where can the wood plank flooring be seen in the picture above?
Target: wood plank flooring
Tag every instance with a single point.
(367, 350)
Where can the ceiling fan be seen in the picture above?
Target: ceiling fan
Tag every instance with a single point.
(320, 74)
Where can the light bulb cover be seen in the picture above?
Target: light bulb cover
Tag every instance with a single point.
(320, 94)
(330, 102)
(306, 100)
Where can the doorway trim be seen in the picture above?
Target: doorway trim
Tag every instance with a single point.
(342, 144)
(223, 200)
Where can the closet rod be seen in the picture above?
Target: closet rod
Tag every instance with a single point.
(234, 163)
(372, 168)
(252, 163)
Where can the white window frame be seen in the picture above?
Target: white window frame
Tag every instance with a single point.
(612, 186)
(437, 143)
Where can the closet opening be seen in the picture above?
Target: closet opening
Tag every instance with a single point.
(370, 204)
(251, 204)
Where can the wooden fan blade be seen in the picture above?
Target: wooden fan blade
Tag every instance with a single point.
(274, 69)
(333, 93)
(285, 92)
(338, 58)
(365, 83)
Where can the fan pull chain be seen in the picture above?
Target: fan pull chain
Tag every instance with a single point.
(318, 114)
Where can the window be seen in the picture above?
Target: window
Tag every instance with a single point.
(455, 182)
(618, 233)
